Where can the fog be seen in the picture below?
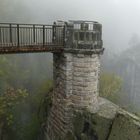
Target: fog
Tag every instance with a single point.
(120, 18)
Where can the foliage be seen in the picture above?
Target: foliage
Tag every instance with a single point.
(8, 101)
(110, 86)
(45, 105)
(21, 119)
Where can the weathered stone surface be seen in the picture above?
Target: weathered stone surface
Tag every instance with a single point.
(94, 126)
(107, 108)
(103, 119)
(109, 123)
(125, 127)
(114, 123)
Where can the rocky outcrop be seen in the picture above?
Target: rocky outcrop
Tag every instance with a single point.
(109, 123)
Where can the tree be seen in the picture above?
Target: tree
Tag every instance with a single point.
(135, 40)
(25, 72)
(110, 86)
(8, 101)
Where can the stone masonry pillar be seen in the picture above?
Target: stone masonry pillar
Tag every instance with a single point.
(76, 76)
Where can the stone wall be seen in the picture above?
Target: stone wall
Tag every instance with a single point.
(75, 87)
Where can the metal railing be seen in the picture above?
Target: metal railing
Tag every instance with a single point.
(31, 35)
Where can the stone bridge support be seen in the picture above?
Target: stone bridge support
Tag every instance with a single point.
(76, 77)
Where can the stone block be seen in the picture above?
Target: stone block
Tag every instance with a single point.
(125, 127)
(80, 55)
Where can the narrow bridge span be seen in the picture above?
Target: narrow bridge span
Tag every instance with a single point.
(26, 38)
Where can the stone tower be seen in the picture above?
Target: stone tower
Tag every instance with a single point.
(76, 75)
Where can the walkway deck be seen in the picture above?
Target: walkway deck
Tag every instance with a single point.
(26, 38)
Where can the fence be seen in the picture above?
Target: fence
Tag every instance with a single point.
(21, 35)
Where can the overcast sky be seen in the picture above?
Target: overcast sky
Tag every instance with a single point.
(120, 18)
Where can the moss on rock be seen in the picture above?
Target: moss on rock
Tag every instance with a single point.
(89, 126)
(125, 127)
(70, 136)
(109, 123)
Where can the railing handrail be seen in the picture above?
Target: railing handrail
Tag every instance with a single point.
(14, 34)
(20, 24)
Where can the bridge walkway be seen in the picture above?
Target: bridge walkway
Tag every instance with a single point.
(27, 38)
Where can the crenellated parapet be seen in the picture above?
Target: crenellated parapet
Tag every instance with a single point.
(85, 35)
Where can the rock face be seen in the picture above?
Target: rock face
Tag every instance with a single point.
(94, 126)
(109, 123)
(124, 126)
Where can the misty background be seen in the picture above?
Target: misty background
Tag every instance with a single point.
(120, 20)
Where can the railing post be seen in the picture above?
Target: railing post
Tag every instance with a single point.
(10, 31)
(43, 35)
(54, 32)
(34, 33)
(0, 36)
(64, 34)
(18, 35)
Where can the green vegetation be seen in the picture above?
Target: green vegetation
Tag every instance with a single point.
(110, 86)
(8, 102)
(24, 82)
